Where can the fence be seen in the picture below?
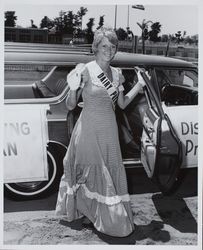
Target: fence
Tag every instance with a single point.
(185, 52)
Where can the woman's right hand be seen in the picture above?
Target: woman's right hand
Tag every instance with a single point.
(74, 77)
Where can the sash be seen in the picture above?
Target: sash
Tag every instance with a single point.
(104, 80)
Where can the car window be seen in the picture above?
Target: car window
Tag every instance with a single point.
(24, 73)
(177, 76)
(178, 86)
(35, 82)
(143, 99)
(175, 95)
(190, 79)
(130, 79)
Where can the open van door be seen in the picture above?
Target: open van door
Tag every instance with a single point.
(161, 151)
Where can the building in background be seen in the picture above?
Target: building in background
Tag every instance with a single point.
(26, 35)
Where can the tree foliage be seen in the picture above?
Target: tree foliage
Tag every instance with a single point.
(153, 33)
(46, 23)
(101, 22)
(195, 39)
(10, 19)
(144, 32)
(65, 23)
(191, 40)
(32, 24)
(179, 37)
(82, 12)
(89, 32)
(121, 34)
(164, 38)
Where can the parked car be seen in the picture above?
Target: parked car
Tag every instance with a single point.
(160, 124)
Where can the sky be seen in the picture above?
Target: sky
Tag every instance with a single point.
(172, 17)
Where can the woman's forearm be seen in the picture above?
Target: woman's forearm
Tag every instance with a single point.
(124, 100)
(72, 98)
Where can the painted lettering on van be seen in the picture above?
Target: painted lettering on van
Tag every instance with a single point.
(14, 129)
(17, 128)
(189, 128)
(190, 147)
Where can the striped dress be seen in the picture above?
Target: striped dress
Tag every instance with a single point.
(94, 181)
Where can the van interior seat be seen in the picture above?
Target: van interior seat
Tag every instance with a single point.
(52, 84)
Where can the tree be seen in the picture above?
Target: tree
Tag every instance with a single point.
(178, 36)
(32, 24)
(89, 32)
(65, 22)
(164, 38)
(46, 23)
(170, 37)
(195, 39)
(121, 34)
(10, 19)
(188, 40)
(145, 34)
(129, 33)
(101, 22)
(69, 23)
(82, 12)
(153, 33)
(58, 22)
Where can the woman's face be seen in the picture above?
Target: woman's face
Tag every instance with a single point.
(106, 50)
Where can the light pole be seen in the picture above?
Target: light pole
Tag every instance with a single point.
(134, 38)
(139, 7)
(128, 17)
(115, 17)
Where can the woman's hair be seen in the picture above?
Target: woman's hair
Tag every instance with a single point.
(100, 34)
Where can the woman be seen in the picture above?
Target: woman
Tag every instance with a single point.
(94, 182)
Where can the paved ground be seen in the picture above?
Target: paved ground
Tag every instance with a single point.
(158, 219)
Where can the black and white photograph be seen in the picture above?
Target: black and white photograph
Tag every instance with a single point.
(100, 131)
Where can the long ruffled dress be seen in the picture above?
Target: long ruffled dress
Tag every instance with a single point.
(94, 182)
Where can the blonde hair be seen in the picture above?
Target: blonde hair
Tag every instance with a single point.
(100, 34)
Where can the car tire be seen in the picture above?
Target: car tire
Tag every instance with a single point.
(40, 189)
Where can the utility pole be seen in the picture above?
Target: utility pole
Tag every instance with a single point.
(128, 18)
(139, 7)
(115, 17)
(135, 38)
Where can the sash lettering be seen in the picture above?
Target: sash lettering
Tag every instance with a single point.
(105, 82)
(109, 86)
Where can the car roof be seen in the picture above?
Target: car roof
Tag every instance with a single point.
(129, 59)
(72, 56)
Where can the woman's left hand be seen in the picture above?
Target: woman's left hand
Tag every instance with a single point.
(140, 79)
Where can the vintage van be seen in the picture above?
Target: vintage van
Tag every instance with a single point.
(161, 123)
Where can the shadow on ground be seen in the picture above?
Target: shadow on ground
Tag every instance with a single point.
(153, 231)
(175, 212)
